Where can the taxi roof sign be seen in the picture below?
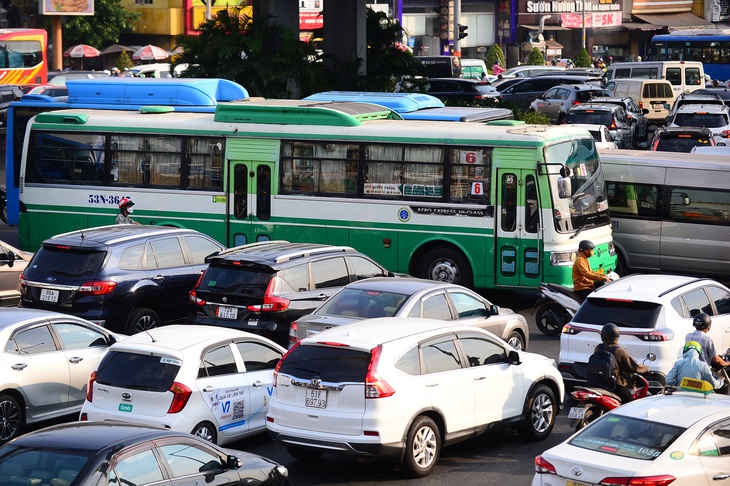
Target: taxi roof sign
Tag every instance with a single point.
(694, 385)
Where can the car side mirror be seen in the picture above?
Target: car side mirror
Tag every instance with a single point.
(8, 258)
(494, 310)
(514, 358)
(233, 462)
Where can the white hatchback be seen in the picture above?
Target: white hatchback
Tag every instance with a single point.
(213, 382)
(402, 388)
(682, 439)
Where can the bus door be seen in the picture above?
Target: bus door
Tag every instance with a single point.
(249, 202)
(518, 248)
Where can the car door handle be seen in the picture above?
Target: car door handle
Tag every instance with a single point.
(480, 378)
(75, 359)
(321, 297)
(158, 278)
(257, 384)
(208, 389)
(19, 366)
(431, 385)
(720, 477)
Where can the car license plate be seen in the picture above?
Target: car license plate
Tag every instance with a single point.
(316, 398)
(48, 295)
(570, 482)
(576, 412)
(227, 312)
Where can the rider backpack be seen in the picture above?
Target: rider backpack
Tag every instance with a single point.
(602, 369)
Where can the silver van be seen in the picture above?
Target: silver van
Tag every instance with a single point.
(670, 211)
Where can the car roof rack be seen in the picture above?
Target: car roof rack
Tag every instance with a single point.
(258, 244)
(305, 253)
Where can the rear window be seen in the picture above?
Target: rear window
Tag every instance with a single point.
(71, 262)
(591, 118)
(681, 144)
(246, 278)
(137, 371)
(329, 364)
(658, 90)
(627, 437)
(708, 120)
(623, 313)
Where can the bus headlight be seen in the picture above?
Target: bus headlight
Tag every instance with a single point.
(561, 258)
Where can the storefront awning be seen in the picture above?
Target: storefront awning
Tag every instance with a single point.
(547, 27)
(640, 26)
(673, 20)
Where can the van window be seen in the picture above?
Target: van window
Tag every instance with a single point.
(674, 75)
(629, 199)
(623, 73)
(700, 206)
(693, 76)
(658, 90)
(645, 72)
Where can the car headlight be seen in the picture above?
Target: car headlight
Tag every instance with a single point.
(561, 258)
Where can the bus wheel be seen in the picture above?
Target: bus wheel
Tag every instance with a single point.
(446, 265)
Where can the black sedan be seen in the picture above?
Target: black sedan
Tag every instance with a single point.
(460, 89)
(102, 453)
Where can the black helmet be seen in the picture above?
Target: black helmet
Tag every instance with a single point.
(702, 321)
(586, 245)
(609, 332)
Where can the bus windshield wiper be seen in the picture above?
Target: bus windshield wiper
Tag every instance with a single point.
(587, 225)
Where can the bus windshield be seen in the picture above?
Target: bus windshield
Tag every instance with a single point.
(578, 192)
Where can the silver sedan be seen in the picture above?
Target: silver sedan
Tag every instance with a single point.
(412, 297)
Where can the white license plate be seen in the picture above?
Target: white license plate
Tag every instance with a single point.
(576, 412)
(253, 323)
(227, 312)
(316, 398)
(48, 295)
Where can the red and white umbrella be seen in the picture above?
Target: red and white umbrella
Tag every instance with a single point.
(150, 53)
(81, 50)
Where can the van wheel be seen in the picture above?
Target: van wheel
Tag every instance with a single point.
(206, 431)
(141, 319)
(423, 448)
(540, 412)
(11, 417)
(446, 265)
(301, 454)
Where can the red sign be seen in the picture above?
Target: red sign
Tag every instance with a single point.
(593, 19)
(311, 20)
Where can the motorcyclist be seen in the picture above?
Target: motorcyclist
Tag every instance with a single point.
(125, 208)
(702, 323)
(626, 365)
(585, 279)
(690, 366)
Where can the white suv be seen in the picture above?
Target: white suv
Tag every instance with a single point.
(716, 117)
(654, 314)
(401, 388)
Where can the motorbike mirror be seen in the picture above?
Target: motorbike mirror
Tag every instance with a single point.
(651, 357)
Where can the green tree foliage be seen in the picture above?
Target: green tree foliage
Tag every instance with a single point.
(583, 59)
(495, 54)
(124, 61)
(109, 21)
(266, 58)
(535, 58)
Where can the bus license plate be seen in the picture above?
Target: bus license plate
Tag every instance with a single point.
(316, 398)
(228, 312)
(576, 412)
(48, 295)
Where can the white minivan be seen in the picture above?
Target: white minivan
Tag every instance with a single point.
(685, 76)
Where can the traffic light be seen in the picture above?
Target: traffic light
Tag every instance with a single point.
(462, 31)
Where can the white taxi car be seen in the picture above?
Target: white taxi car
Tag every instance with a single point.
(401, 388)
(679, 439)
(213, 382)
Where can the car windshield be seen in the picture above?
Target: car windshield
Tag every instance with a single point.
(578, 189)
(61, 467)
(137, 371)
(62, 260)
(627, 437)
(365, 304)
(681, 144)
(591, 117)
(700, 119)
(331, 364)
(622, 312)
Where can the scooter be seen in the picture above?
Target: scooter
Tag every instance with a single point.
(557, 305)
(593, 402)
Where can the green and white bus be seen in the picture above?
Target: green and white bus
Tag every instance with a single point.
(502, 204)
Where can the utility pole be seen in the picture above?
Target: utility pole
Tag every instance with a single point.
(457, 22)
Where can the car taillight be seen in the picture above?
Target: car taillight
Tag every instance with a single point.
(22, 280)
(272, 303)
(181, 395)
(575, 102)
(375, 386)
(98, 287)
(613, 124)
(278, 365)
(641, 105)
(543, 467)
(90, 387)
(293, 338)
(192, 295)
(725, 133)
(662, 480)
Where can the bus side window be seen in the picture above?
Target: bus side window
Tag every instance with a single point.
(532, 211)
(509, 202)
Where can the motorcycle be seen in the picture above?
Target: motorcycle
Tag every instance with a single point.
(557, 306)
(723, 373)
(3, 205)
(593, 402)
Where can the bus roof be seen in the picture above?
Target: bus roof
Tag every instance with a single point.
(461, 114)
(302, 112)
(398, 102)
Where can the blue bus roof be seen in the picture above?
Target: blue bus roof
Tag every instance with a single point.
(398, 102)
(460, 114)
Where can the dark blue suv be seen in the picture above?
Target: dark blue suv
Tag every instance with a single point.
(127, 278)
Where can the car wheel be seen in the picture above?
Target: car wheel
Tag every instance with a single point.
(446, 265)
(302, 454)
(206, 431)
(516, 340)
(423, 448)
(621, 267)
(141, 319)
(10, 418)
(540, 412)
(550, 318)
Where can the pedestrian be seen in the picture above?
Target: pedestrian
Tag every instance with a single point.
(497, 69)
(125, 209)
